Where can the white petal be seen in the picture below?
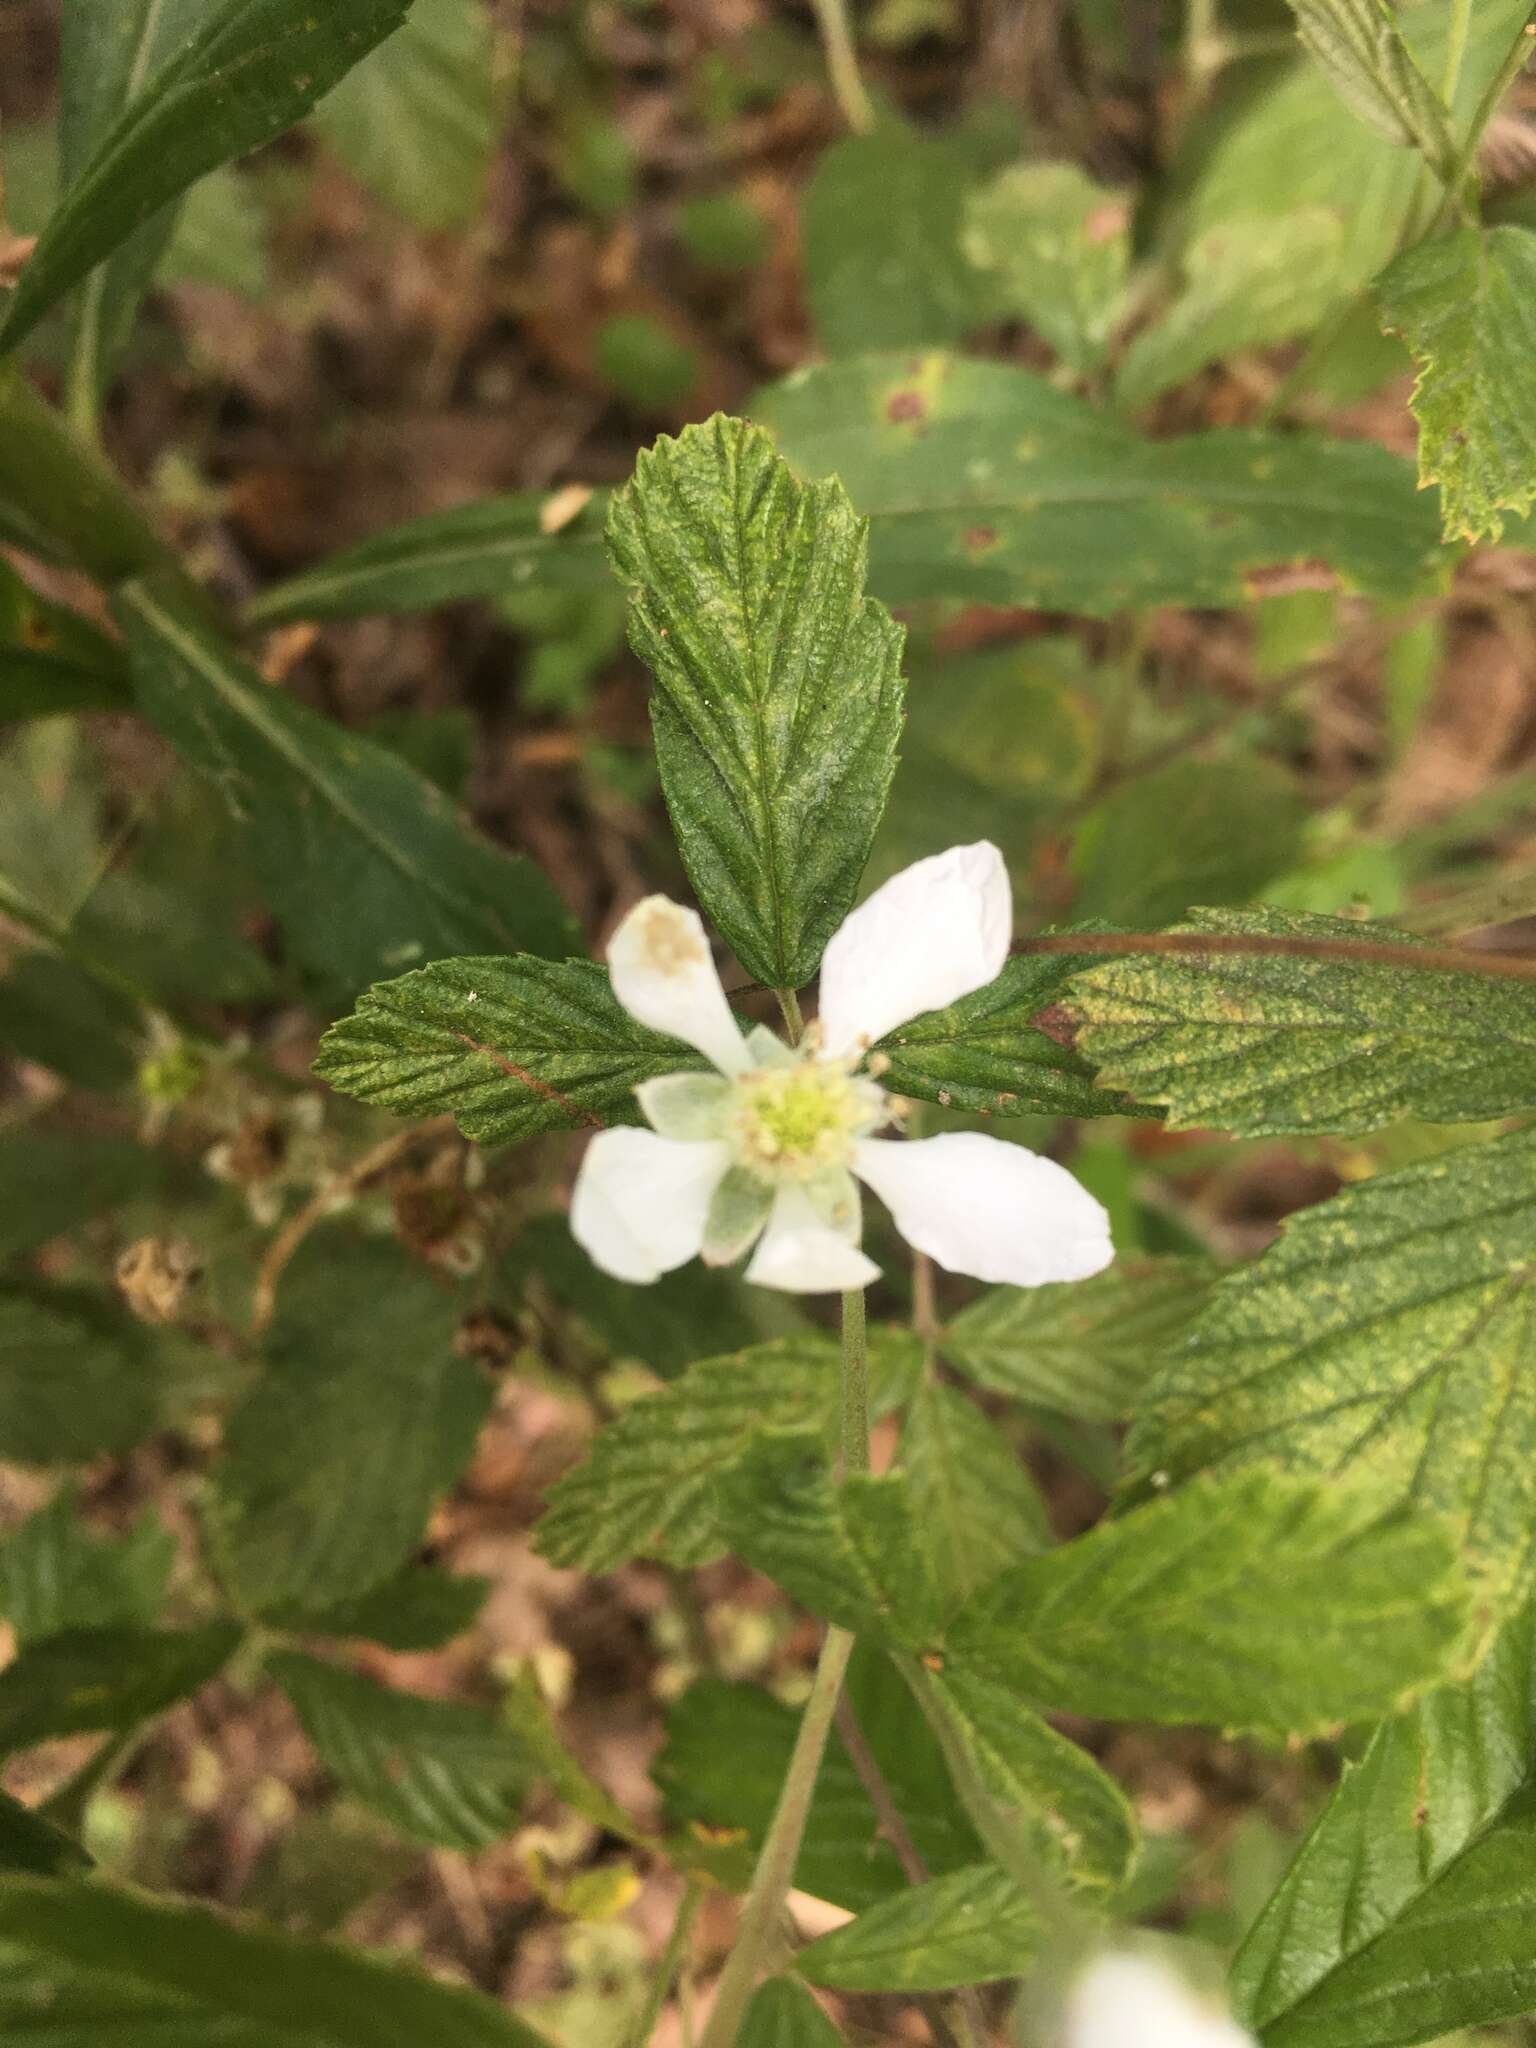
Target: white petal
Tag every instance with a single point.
(663, 975)
(800, 1254)
(928, 936)
(640, 1201)
(1126, 2001)
(986, 1208)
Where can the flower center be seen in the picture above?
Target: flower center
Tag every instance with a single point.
(793, 1122)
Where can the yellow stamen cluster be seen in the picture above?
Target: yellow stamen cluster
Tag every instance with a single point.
(791, 1123)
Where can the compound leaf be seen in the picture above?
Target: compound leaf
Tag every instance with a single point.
(1261, 1043)
(852, 1551)
(1463, 305)
(1045, 1797)
(1082, 1348)
(1257, 1601)
(437, 1770)
(968, 1927)
(647, 1485)
(1387, 1334)
(778, 684)
(512, 1045)
(1405, 1914)
(987, 1052)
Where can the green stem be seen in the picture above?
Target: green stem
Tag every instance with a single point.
(1514, 63)
(854, 1454)
(776, 1864)
(843, 64)
(1456, 49)
(781, 1847)
(667, 1969)
(789, 1006)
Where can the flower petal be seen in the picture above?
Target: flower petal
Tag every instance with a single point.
(799, 1254)
(664, 976)
(640, 1201)
(928, 936)
(1122, 1999)
(987, 1208)
(689, 1106)
(738, 1209)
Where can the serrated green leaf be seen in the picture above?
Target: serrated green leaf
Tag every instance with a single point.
(111, 52)
(32, 1846)
(1239, 825)
(232, 1984)
(647, 1485)
(416, 121)
(484, 549)
(1245, 283)
(1082, 1348)
(365, 862)
(984, 483)
(778, 685)
(248, 71)
(421, 1608)
(970, 1491)
(851, 1551)
(438, 1770)
(1386, 1335)
(1060, 247)
(363, 1415)
(1046, 1798)
(513, 1046)
(88, 1679)
(783, 2014)
(1266, 1044)
(881, 225)
(1257, 1601)
(1373, 71)
(1406, 1911)
(55, 1574)
(970, 1927)
(1462, 304)
(725, 1757)
(77, 1377)
(987, 1053)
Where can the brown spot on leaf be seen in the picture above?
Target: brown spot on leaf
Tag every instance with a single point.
(1058, 1024)
(906, 405)
(36, 630)
(979, 538)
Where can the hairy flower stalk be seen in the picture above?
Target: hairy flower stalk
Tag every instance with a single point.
(766, 1154)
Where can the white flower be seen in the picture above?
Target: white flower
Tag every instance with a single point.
(1127, 2001)
(765, 1150)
